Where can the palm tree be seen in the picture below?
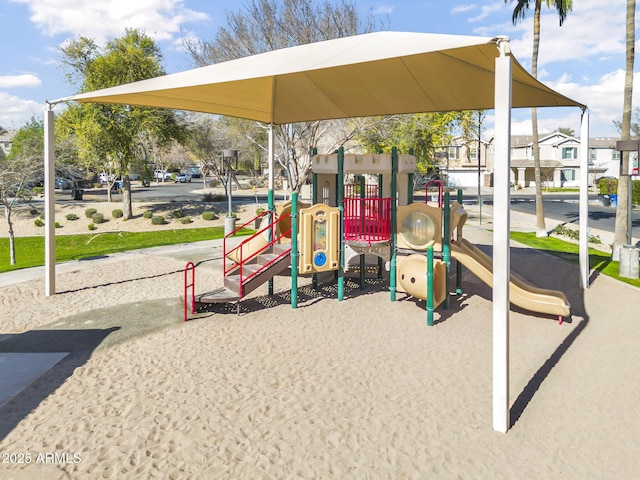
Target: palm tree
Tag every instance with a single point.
(620, 236)
(519, 13)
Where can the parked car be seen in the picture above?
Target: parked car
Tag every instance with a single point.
(63, 183)
(183, 178)
(106, 177)
(162, 175)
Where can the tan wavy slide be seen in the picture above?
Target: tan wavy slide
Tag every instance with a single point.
(521, 293)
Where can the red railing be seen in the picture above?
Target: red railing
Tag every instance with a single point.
(440, 191)
(190, 267)
(367, 220)
(239, 250)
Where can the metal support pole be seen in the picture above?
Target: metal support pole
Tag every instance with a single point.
(294, 249)
(314, 200)
(340, 201)
(394, 221)
(446, 247)
(49, 203)
(270, 200)
(458, 264)
(430, 286)
(501, 244)
(584, 201)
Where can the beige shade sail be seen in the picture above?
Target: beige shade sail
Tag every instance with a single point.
(372, 74)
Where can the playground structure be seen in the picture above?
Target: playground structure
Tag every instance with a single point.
(413, 241)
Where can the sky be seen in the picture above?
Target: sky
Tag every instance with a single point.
(584, 59)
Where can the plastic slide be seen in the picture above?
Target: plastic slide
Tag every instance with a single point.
(413, 280)
(250, 247)
(522, 294)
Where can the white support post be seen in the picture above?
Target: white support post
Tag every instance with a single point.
(584, 200)
(501, 252)
(271, 157)
(49, 204)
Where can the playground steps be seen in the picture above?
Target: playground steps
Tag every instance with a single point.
(219, 295)
(255, 273)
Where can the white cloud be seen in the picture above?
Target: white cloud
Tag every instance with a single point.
(17, 111)
(103, 19)
(383, 9)
(462, 8)
(24, 80)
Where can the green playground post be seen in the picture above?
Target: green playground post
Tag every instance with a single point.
(394, 229)
(271, 208)
(446, 254)
(340, 201)
(430, 286)
(314, 200)
(294, 249)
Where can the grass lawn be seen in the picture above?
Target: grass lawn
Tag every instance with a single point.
(599, 261)
(30, 250)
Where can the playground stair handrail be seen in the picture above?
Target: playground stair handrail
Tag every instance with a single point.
(240, 266)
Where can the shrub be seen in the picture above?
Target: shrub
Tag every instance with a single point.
(185, 220)
(209, 216)
(71, 216)
(117, 213)
(33, 211)
(147, 214)
(57, 225)
(38, 190)
(89, 212)
(158, 220)
(177, 213)
(92, 226)
(38, 223)
(607, 185)
(97, 218)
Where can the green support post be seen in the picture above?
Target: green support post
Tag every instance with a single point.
(314, 200)
(294, 249)
(271, 207)
(394, 229)
(446, 254)
(430, 286)
(340, 201)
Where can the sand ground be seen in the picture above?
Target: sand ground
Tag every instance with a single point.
(358, 389)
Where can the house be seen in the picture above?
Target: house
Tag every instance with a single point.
(463, 162)
(559, 161)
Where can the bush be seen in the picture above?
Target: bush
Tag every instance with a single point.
(92, 227)
(71, 216)
(89, 212)
(117, 213)
(147, 214)
(57, 225)
(38, 190)
(185, 220)
(177, 213)
(635, 189)
(97, 218)
(38, 223)
(608, 185)
(209, 216)
(158, 220)
(33, 211)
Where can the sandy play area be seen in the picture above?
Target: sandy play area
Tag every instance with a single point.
(358, 389)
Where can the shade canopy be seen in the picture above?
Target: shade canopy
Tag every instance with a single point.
(364, 75)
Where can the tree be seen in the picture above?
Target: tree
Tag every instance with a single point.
(19, 170)
(621, 231)
(519, 13)
(265, 25)
(116, 137)
(424, 133)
